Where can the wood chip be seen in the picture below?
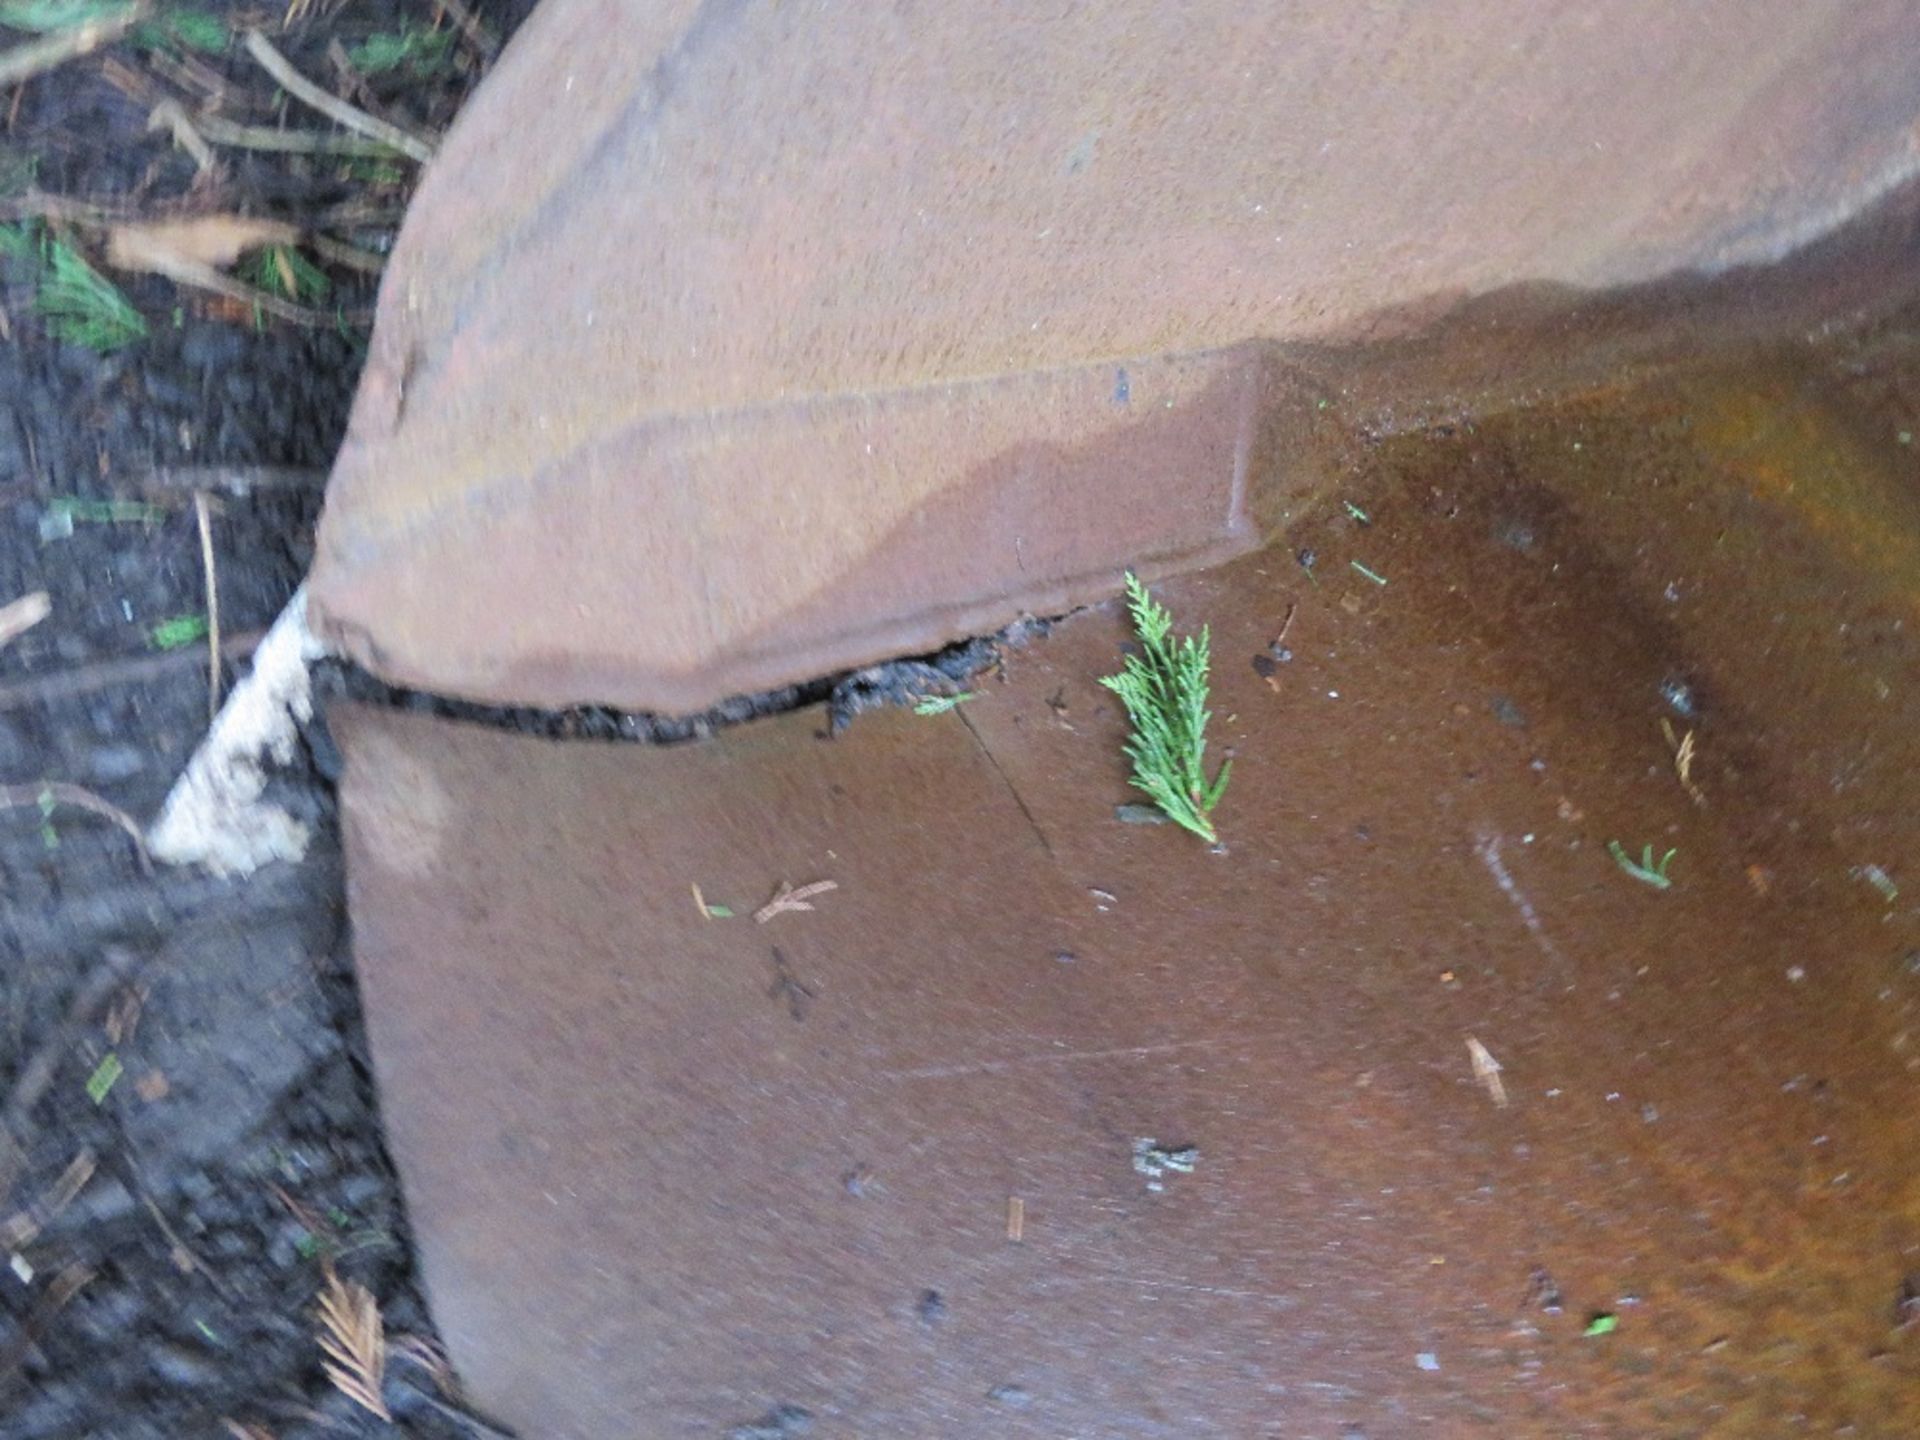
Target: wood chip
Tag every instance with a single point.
(156, 246)
(787, 898)
(1486, 1070)
(19, 616)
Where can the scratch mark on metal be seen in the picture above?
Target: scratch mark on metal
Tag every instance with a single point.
(1487, 847)
(1064, 1057)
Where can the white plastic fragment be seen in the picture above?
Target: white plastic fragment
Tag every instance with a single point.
(214, 816)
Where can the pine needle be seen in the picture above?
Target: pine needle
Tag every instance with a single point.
(81, 306)
(354, 1341)
(1165, 692)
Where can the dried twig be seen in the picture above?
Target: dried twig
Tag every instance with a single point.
(52, 685)
(187, 130)
(43, 795)
(787, 898)
(350, 256)
(301, 88)
(354, 1341)
(171, 116)
(23, 62)
(19, 616)
(21, 1228)
(1016, 1219)
(202, 514)
(169, 480)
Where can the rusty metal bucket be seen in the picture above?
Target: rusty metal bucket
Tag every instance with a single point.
(730, 346)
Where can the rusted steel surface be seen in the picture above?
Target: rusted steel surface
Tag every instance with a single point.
(730, 343)
(719, 1174)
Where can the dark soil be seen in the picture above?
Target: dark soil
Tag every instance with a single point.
(238, 1154)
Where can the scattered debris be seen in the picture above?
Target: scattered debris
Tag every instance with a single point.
(909, 682)
(711, 912)
(782, 1422)
(1681, 697)
(1683, 756)
(1880, 880)
(1427, 1360)
(1486, 1070)
(1154, 1160)
(1645, 870)
(19, 616)
(354, 1341)
(105, 1075)
(1369, 574)
(24, 1226)
(940, 704)
(1761, 879)
(1016, 1219)
(179, 631)
(1604, 1322)
(787, 898)
(1906, 1302)
(1164, 691)
(1014, 1397)
(1542, 1291)
(1277, 647)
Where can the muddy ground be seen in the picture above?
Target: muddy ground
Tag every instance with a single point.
(168, 1233)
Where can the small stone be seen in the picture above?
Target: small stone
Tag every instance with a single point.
(930, 1308)
(1427, 1360)
(1012, 1396)
(780, 1423)
(186, 1367)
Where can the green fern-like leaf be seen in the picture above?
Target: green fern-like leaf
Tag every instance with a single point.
(1164, 690)
(81, 306)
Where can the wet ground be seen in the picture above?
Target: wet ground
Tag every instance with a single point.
(167, 1242)
(1489, 1133)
